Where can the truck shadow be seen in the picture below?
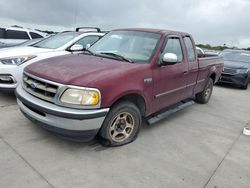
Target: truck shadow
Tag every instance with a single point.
(70, 144)
(164, 122)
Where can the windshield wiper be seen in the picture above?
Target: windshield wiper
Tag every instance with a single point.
(36, 46)
(90, 52)
(118, 56)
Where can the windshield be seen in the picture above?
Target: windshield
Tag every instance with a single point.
(133, 45)
(236, 56)
(30, 42)
(56, 41)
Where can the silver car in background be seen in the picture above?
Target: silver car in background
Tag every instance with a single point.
(14, 60)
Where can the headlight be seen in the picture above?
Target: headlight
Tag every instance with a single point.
(85, 97)
(242, 71)
(16, 60)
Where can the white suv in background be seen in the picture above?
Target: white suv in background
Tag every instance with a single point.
(15, 35)
(13, 60)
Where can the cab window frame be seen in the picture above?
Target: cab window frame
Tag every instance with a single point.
(165, 44)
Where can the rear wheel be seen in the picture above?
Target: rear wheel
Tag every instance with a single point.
(121, 126)
(204, 96)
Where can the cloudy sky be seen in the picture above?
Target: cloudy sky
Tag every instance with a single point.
(215, 22)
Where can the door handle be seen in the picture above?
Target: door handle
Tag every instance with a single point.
(185, 72)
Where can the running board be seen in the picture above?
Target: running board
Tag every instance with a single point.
(170, 111)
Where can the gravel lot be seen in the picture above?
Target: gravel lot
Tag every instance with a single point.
(201, 146)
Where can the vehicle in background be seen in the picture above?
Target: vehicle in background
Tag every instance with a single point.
(236, 68)
(26, 43)
(31, 42)
(2, 45)
(15, 35)
(211, 53)
(127, 76)
(202, 53)
(13, 60)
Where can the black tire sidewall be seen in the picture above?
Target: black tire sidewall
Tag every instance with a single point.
(124, 106)
(209, 84)
(200, 97)
(245, 86)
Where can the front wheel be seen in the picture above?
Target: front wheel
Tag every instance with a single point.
(122, 125)
(204, 96)
(245, 86)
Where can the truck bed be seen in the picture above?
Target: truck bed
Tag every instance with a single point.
(215, 64)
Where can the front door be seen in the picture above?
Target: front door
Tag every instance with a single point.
(169, 80)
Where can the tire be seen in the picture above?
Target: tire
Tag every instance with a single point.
(204, 96)
(245, 86)
(121, 126)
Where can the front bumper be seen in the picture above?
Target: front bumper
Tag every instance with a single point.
(13, 73)
(72, 123)
(236, 79)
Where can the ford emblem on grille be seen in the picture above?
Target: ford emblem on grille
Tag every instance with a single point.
(33, 85)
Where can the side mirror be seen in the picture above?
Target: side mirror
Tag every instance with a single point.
(169, 59)
(76, 47)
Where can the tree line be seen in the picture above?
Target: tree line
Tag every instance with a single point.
(219, 48)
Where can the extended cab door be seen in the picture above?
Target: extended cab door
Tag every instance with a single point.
(169, 80)
(193, 66)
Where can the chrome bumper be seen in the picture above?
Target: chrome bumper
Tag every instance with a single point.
(59, 117)
(12, 72)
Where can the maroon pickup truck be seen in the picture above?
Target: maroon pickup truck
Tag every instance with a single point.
(128, 76)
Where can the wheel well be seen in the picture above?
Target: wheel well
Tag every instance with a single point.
(135, 99)
(213, 76)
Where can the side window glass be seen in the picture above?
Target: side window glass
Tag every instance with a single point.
(190, 49)
(12, 34)
(35, 35)
(88, 40)
(2, 33)
(174, 46)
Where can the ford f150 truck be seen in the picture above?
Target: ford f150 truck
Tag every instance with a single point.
(127, 76)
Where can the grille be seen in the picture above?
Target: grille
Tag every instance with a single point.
(39, 88)
(229, 71)
(224, 79)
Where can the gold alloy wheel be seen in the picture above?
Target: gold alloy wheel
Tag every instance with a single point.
(208, 91)
(122, 127)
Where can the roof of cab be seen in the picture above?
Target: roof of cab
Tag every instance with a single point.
(160, 31)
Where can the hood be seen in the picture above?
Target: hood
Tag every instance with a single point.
(22, 51)
(236, 65)
(80, 69)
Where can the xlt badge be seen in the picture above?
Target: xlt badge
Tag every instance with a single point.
(148, 80)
